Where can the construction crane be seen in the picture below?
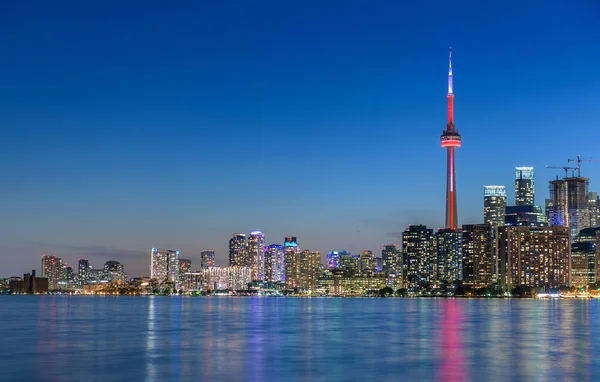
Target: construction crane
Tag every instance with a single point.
(566, 168)
(579, 160)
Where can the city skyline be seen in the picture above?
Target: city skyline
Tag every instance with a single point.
(344, 125)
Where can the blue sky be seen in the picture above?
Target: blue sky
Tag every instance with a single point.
(128, 126)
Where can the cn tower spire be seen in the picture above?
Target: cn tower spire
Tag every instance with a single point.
(450, 140)
(450, 94)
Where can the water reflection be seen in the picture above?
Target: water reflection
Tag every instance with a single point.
(262, 339)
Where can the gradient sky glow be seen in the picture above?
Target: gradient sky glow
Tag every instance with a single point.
(128, 125)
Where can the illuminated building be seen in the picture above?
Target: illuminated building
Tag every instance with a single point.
(302, 269)
(587, 235)
(367, 263)
(238, 256)
(207, 258)
(333, 260)
(478, 257)
(451, 140)
(418, 258)
(391, 258)
(449, 255)
(568, 205)
(524, 186)
(524, 215)
(114, 270)
(494, 205)
(494, 209)
(535, 256)
(256, 254)
(83, 269)
(275, 263)
(222, 278)
(239, 278)
(583, 264)
(290, 246)
(338, 284)
(594, 209)
(164, 265)
(349, 263)
(185, 266)
(52, 268)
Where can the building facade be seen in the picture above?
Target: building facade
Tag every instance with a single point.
(419, 260)
(535, 256)
(275, 263)
(302, 269)
(207, 258)
(391, 257)
(256, 254)
(449, 255)
(494, 205)
(164, 265)
(524, 186)
(52, 269)
(478, 257)
(583, 264)
(238, 256)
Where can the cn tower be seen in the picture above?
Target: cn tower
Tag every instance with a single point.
(450, 140)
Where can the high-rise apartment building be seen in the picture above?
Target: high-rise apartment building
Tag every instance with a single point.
(535, 256)
(367, 262)
(419, 262)
(478, 257)
(494, 211)
(238, 254)
(83, 269)
(524, 186)
(568, 204)
(594, 209)
(207, 258)
(449, 255)
(256, 254)
(114, 271)
(391, 257)
(52, 268)
(164, 265)
(275, 263)
(494, 205)
(185, 266)
(583, 264)
(302, 269)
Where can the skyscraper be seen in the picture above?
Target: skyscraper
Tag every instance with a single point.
(256, 254)
(164, 265)
(568, 205)
(302, 269)
(367, 262)
(478, 256)
(535, 256)
(83, 269)
(449, 255)
(52, 268)
(207, 258)
(114, 271)
(450, 140)
(238, 256)
(275, 263)
(419, 262)
(594, 209)
(333, 260)
(524, 186)
(494, 205)
(391, 256)
(583, 264)
(185, 266)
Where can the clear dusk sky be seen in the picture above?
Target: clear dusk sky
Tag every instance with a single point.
(126, 125)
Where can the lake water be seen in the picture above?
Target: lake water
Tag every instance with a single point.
(60, 338)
